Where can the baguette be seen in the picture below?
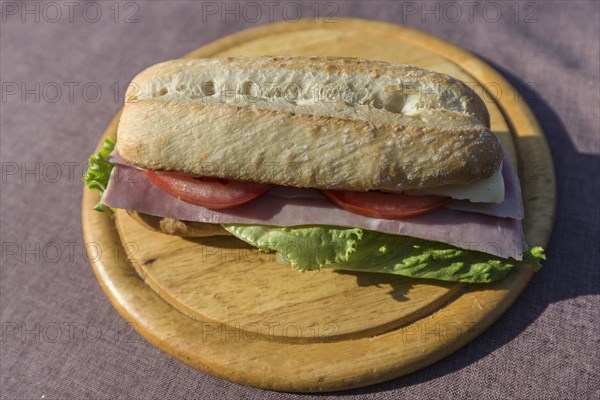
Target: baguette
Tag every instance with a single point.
(327, 123)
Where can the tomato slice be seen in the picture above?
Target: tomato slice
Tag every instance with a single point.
(212, 193)
(385, 205)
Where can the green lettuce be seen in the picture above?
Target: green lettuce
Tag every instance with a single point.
(98, 173)
(304, 247)
(316, 247)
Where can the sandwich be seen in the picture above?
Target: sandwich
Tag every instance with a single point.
(339, 163)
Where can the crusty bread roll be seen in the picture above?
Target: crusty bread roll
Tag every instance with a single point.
(328, 123)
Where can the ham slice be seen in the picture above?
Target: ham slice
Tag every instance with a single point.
(130, 189)
(511, 206)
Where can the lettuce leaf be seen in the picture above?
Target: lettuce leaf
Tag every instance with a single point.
(304, 247)
(98, 173)
(316, 247)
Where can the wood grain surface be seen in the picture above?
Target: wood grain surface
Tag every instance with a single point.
(233, 312)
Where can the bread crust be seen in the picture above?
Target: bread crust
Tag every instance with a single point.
(376, 135)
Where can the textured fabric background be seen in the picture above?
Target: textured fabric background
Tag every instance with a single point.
(61, 338)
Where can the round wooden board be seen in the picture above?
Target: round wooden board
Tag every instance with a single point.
(228, 310)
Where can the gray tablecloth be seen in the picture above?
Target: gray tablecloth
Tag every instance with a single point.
(63, 69)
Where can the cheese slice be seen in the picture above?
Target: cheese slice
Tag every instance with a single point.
(490, 190)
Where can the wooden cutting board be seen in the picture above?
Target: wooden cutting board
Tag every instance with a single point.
(222, 307)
